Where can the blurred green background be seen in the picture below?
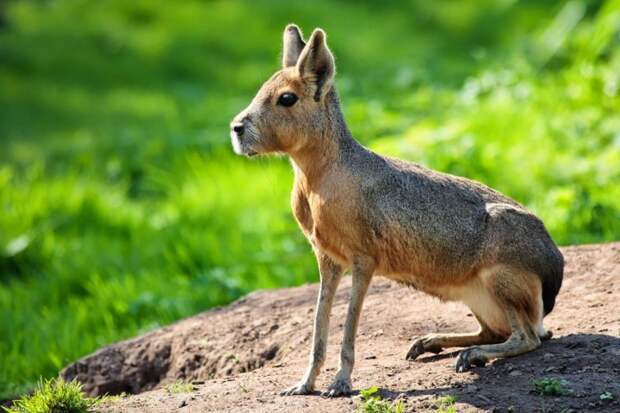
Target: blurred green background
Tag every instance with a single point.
(122, 207)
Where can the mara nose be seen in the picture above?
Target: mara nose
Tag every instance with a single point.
(237, 128)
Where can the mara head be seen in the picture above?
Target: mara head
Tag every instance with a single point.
(292, 109)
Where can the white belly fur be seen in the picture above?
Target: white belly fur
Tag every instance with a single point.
(480, 301)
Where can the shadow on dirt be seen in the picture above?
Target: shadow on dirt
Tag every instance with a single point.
(588, 366)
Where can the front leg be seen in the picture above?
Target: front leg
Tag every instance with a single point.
(362, 273)
(331, 273)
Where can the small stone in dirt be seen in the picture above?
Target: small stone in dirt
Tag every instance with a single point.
(484, 399)
(370, 357)
(615, 350)
(548, 356)
(183, 403)
(515, 373)
(270, 352)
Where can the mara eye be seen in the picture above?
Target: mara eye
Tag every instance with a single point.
(287, 99)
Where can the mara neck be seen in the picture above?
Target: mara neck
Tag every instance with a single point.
(334, 144)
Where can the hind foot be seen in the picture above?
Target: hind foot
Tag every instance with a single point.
(422, 345)
(435, 343)
(522, 340)
(467, 358)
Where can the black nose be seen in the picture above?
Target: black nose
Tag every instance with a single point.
(238, 128)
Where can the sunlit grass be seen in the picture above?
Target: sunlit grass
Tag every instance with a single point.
(91, 260)
(179, 386)
(54, 395)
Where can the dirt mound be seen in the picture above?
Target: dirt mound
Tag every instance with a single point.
(239, 357)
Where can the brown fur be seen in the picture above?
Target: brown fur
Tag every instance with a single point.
(448, 236)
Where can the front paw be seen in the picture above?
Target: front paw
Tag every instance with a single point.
(340, 387)
(468, 358)
(298, 389)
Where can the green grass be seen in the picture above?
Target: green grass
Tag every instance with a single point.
(445, 404)
(551, 387)
(180, 386)
(606, 396)
(123, 209)
(372, 403)
(55, 395)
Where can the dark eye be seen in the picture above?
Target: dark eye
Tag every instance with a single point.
(287, 99)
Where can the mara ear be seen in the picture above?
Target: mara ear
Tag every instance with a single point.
(293, 45)
(316, 64)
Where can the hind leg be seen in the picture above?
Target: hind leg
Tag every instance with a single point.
(523, 339)
(518, 294)
(435, 343)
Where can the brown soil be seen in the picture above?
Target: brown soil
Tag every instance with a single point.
(239, 357)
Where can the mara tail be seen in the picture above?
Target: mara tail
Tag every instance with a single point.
(551, 279)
